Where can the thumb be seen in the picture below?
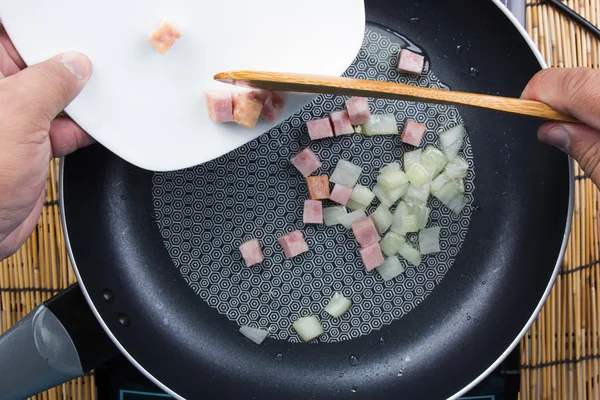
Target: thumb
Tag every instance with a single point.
(580, 141)
(43, 90)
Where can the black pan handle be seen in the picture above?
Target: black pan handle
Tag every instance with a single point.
(58, 341)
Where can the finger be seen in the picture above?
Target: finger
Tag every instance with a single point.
(580, 141)
(574, 91)
(45, 89)
(17, 237)
(10, 49)
(66, 136)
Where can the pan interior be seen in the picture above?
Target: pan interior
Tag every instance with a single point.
(205, 213)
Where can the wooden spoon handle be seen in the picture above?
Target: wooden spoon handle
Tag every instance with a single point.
(388, 90)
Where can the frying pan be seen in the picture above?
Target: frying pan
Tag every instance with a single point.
(149, 248)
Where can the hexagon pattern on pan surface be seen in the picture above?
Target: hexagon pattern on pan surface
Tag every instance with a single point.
(205, 213)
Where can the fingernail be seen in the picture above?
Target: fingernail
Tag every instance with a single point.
(557, 136)
(78, 64)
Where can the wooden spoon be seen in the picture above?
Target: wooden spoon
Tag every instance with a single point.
(288, 82)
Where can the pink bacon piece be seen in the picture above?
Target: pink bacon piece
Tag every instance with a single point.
(372, 256)
(365, 232)
(358, 110)
(272, 107)
(341, 123)
(293, 244)
(220, 106)
(164, 37)
(313, 212)
(413, 133)
(410, 62)
(252, 252)
(340, 194)
(319, 128)
(306, 162)
(246, 109)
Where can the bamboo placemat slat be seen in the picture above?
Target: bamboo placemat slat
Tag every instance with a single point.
(560, 356)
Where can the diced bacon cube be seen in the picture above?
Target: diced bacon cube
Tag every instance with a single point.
(318, 187)
(341, 123)
(293, 244)
(252, 252)
(164, 37)
(413, 133)
(313, 212)
(372, 256)
(272, 107)
(340, 194)
(365, 232)
(246, 109)
(261, 94)
(306, 162)
(410, 62)
(319, 129)
(358, 110)
(220, 106)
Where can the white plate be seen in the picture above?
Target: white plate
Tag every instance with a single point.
(150, 109)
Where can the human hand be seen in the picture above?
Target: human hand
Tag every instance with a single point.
(574, 91)
(31, 133)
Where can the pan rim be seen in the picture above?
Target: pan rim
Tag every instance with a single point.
(464, 390)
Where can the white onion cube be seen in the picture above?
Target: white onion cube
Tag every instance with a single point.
(308, 328)
(417, 195)
(382, 195)
(411, 157)
(362, 195)
(391, 242)
(338, 305)
(391, 268)
(382, 218)
(346, 173)
(429, 240)
(255, 334)
(395, 194)
(392, 180)
(381, 125)
(355, 206)
(331, 215)
(421, 212)
(452, 141)
(434, 157)
(391, 167)
(418, 175)
(457, 168)
(410, 254)
(348, 219)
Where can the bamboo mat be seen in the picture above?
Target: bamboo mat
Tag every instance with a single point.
(559, 356)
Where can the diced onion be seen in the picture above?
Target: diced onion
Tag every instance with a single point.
(362, 195)
(255, 334)
(338, 305)
(460, 183)
(451, 197)
(439, 182)
(331, 215)
(418, 175)
(391, 167)
(396, 194)
(391, 268)
(308, 328)
(348, 219)
(411, 254)
(457, 168)
(429, 240)
(421, 213)
(381, 125)
(392, 180)
(417, 195)
(382, 195)
(411, 157)
(404, 224)
(452, 141)
(391, 242)
(346, 173)
(434, 158)
(354, 206)
(382, 218)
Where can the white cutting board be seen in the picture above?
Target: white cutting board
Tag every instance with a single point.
(150, 109)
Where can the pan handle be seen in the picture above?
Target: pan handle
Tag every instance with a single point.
(58, 341)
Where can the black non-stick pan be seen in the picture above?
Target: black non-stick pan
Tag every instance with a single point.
(157, 254)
